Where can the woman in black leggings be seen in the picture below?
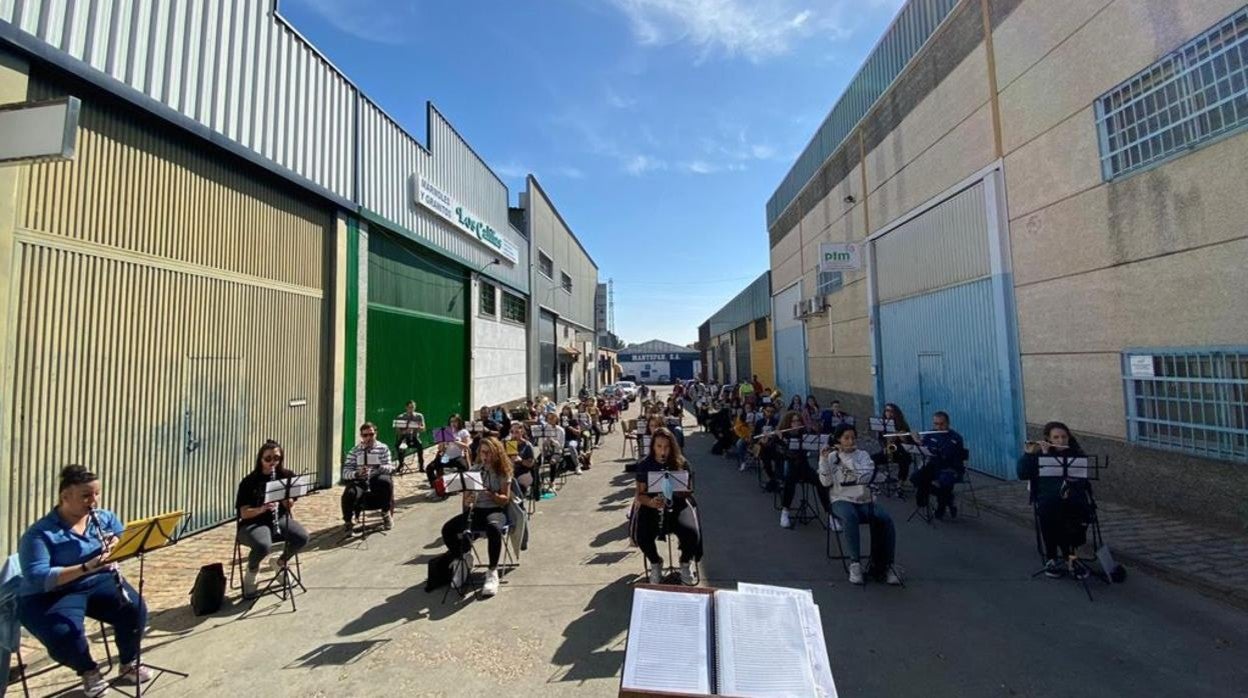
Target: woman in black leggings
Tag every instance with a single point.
(655, 515)
(484, 511)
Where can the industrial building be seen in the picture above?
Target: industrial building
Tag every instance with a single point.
(243, 246)
(739, 337)
(659, 362)
(1047, 204)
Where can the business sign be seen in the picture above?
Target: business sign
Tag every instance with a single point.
(39, 131)
(839, 256)
(655, 357)
(445, 205)
(1142, 367)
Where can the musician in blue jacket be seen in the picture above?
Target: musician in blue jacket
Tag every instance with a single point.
(942, 469)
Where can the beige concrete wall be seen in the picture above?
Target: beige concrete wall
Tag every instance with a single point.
(1148, 260)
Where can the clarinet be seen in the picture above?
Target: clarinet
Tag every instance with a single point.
(277, 513)
(122, 594)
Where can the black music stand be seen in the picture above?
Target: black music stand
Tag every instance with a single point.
(1075, 469)
(136, 540)
(919, 455)
(463, 481)
(284, 582)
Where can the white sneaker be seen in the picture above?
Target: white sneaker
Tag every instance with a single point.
(892, 578)
(785, 521)
(490, 587)
(387, 522)
(742, 468)
(686, 573)
(249, 583)
(577, 471)
(93, 684)
(855, 573)
(656, 572)
(835, 523)
(135, 673)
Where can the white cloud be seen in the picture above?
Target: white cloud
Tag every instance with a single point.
(756, 30)
(638, 165)
(702, 167)
(571, 172)
(619, 101)
(511, 170)
(377, 21)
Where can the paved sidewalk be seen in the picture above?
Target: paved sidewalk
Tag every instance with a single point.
(1211, 561)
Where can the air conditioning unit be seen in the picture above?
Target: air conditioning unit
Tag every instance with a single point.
(799, 309)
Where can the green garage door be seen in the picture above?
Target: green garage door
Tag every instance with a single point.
(417, 334)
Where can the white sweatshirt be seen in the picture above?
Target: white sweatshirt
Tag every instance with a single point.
(844, 473)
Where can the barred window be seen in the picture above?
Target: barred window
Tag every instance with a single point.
(1189, 97)
(514, 308)
(545, 265)
(566, 281)
(488, 304)
(1195, 401)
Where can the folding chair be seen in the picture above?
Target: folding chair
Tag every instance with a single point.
(833, 532)
(293, 567)
(23, 674)
(1090, 473)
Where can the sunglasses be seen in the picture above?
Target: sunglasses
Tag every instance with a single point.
(272, 459)
(367, 434)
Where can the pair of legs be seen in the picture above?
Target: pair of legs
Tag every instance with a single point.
(437, 468)
(56, 619)
(883, 533)
(646, 532)
(412, 441)
(259, 539)
(489, 521)
(1062, 527)
(377, 494)
(901, 458)
(797, 472)
(772, 459)
(932, 479)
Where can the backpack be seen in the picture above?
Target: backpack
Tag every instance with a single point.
(439, 487)
(439, 571)
(461, 571)
(208, 592)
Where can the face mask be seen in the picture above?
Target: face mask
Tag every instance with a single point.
(667, 488)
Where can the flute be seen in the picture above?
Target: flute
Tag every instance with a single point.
(901, 434)
(775, 433)
(122, 594)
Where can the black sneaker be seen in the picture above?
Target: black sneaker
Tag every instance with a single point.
(1054, 570)
(953, 512)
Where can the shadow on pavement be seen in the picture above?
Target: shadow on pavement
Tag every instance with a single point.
(611, 535)
(336, 654)
(593, 645)
(413, 603)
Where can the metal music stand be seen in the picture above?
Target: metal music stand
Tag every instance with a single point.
(1084, 469)
(919, 454)
(543, 434)
(463, 481)
(682, 481)
(136, 540)
(285, 582)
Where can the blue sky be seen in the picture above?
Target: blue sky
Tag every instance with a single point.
(659, 127)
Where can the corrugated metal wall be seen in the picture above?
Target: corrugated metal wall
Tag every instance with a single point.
(790, 343)
(552, 236)
(750, 304)
(946, 245)
(168, 309)
(230, 65)
(389, 161)
(938, 352)
(741, 338)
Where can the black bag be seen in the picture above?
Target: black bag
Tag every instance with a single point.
(208, 593)
(439, 571)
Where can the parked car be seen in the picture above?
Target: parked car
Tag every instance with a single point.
(627, 388)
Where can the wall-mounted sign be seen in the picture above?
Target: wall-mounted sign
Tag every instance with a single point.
(655, 357)
(35, 131)
(839, 256)
(1142, 367)
(433, 198)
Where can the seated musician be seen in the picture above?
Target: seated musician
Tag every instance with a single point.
(260, 524)
(892, 450)
(590, 407)
(770, 453)
(574, 439)
(943, 468)
(797, 469)
(453, 454)
(520, 452)
(675, 416)
(1063, 506)
(67, 577)
(367, 473)
(848, 471)
(833, 417)
(655, 516)
(484, 511)
(553, 445)
(485, 415)
(811, 414)
(409, 437)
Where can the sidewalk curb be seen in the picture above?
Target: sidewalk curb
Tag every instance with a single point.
(1229, 595)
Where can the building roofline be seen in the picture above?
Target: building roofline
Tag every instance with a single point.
(532, 182)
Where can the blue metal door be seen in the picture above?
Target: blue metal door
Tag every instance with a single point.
(790, 343)
(931, 385)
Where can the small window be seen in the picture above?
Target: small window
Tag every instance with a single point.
(1187, 98)
(489, 304)
(760, 329)
(545, 265)
(829, 282)
(1194, 401)
(565, 281)
(514, 308)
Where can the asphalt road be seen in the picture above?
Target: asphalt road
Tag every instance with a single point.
(969, 622)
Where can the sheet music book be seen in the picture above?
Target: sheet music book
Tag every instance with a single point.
(477, 426)
(276, 490)
(756, 641)
(816, 442)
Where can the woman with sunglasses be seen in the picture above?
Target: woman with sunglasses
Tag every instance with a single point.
(260, 525)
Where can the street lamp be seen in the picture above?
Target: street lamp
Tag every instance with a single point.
(489, 264)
